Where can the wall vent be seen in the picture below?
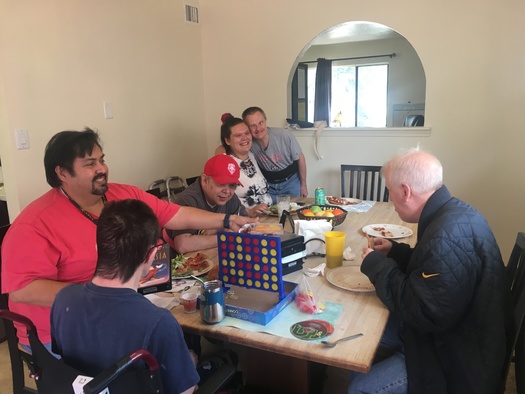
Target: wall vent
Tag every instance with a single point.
(191, 13)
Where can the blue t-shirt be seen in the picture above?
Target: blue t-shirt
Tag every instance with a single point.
(93, 326)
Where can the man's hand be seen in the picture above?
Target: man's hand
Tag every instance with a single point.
(366, 251)
(380, 245)
(236, 221)
(304, 190)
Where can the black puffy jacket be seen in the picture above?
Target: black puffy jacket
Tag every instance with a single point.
(449, 292)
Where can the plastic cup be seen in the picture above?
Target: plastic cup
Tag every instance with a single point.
(283, 203)
(189, 300)
(335, 245)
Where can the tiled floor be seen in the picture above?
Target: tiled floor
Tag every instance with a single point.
(336, 383)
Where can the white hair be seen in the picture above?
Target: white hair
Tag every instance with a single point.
(419, 169)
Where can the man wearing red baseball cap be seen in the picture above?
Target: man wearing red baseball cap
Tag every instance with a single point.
(214, 191)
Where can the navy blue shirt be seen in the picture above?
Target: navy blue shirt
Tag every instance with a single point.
(93, 326)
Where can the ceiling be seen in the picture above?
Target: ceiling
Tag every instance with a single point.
(354, 31)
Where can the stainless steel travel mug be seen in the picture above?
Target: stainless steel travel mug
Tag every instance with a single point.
(212, 302)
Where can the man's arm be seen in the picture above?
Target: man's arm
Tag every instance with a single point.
(220, 149)
(194, 218)
(302, 175)
(185, 243)
(41, 292)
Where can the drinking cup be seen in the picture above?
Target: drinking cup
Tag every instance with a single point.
(212, 302)
(283, 203)
(189, 299)
(335, 245)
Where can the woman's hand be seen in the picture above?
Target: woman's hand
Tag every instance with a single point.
(257, 210)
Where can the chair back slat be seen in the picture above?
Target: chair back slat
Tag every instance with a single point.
(364, 182)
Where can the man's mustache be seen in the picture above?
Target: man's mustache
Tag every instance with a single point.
(101, 176)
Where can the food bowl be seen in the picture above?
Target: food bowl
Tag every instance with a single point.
(336, 220)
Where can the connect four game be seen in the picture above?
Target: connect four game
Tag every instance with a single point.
(251, 261)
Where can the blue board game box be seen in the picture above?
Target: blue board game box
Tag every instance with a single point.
(250, 269)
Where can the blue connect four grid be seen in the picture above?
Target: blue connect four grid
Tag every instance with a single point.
(251, 260)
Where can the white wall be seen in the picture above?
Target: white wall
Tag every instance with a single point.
(473, 58)
(60, 60)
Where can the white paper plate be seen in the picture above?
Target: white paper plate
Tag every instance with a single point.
(200, 272)
(390, 231)
(350, 278)
(345, 202)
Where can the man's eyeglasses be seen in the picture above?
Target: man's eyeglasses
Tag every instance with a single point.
(159, 244)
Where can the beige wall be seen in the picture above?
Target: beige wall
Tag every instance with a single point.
(61, 59)
(170, 81)
(473, 57)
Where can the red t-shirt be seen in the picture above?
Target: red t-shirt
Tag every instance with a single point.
(52, 239)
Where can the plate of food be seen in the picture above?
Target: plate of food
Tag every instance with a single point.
(342, 201)
(350, 278)
(294, 206)
(262, 228)
(185, 266)
(390, 231)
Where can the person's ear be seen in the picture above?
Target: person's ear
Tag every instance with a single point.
(62, 173)
(407, 191)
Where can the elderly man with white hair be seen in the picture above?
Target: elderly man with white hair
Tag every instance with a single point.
(445, 295)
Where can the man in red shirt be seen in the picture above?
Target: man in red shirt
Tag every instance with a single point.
(51, 244)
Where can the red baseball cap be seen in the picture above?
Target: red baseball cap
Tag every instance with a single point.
(223, 169)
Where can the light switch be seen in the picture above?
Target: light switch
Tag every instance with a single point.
(22, 139)
(108, 110)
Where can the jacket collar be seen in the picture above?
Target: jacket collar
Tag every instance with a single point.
(440, 197)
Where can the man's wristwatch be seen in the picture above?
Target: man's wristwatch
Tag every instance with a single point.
(226, 222)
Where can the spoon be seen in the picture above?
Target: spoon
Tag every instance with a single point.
(199, 279)
(332, 344)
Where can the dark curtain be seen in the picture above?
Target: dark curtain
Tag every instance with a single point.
(323, 90)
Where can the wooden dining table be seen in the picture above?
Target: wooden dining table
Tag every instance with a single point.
(362, 312)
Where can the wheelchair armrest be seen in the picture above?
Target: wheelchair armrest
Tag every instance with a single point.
(102, 380)
(216, 381)
(6, 314)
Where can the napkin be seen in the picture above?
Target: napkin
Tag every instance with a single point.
(163, 302)
(310, 229)
(318, 270)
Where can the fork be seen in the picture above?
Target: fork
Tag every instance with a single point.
(332, 344)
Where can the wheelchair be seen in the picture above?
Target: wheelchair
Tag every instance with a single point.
(126, 376)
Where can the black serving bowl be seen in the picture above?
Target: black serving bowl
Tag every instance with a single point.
(336, 220)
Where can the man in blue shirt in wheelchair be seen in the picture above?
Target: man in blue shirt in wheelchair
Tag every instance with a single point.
(95, 323)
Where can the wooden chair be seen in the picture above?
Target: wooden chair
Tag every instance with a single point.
(515, 275)
(414, 120)
(364, 182)
(16, 355)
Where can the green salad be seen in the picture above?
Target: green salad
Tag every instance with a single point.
(179, 268)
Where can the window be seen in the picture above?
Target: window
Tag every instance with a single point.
(359, 94)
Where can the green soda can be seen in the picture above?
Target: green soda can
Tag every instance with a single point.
(319, 196)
